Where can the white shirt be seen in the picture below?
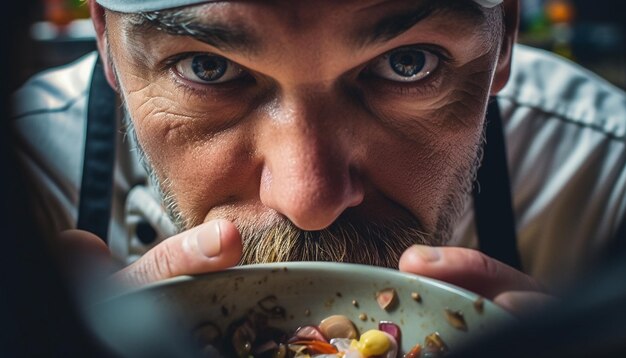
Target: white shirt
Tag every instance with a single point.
(565, 134)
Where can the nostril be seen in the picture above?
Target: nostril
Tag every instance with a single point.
(356, 189)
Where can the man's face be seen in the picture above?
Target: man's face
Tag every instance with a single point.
(325, 130)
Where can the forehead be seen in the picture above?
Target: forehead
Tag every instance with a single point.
(363, 21)
(300, 8)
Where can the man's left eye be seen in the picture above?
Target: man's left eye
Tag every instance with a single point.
(405, 64)
(208, 69)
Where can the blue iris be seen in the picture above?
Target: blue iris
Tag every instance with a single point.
(209, 67)
(407, 63)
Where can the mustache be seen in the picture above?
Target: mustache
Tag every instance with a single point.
(348, 239)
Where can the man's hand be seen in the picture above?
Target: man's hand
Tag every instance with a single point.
(472, 270)
(212, 246)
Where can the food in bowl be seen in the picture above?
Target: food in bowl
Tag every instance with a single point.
(334, 336)
(287, 296)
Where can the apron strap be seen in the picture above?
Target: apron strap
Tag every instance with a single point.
(94, 209)
(616, 249)
(493, 209)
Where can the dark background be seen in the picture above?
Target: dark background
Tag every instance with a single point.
(38, 315)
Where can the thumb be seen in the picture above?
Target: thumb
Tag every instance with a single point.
(466, 268)
(212, 246)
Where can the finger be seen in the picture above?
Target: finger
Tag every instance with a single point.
(466, 268)
(520, 302)
(83, 255)
(212, 246)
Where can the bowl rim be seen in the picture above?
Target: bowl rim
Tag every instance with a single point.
(300, 266)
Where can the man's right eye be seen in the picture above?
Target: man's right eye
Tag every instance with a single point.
(405, 64)
(208, 69)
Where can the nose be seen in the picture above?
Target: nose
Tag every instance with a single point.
(309, 173)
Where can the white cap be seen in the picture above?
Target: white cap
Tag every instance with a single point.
(489, 3)
(153, 5)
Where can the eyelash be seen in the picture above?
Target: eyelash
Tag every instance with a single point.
(422, 88)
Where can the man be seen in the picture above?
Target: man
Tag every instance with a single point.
(345, 131)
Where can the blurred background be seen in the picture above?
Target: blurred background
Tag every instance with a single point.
(589, 32)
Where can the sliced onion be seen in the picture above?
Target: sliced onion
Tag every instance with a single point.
(338, 326)
(342, 344)
(392, 329)
(308, 333)
(393, 347)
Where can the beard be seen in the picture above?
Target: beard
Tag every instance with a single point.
(350, 239)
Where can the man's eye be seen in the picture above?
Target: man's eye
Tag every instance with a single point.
(208, 69)
(404, 65)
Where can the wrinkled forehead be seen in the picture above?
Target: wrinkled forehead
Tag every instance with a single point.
(131, 6)
(369, 19)
(258, 29)
(248, 26)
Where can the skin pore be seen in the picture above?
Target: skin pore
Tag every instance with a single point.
(314, 147)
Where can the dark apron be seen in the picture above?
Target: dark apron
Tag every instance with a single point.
(495, 222)
(96, 189)
(493, 207)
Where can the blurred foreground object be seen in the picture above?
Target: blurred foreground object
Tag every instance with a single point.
(589, 322)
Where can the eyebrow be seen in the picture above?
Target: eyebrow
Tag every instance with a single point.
(466, 12)
(234, 37)
(185, 23)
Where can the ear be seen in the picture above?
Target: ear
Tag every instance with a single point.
(99, 22)
(511, 23)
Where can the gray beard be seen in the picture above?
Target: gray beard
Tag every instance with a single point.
(349, 239)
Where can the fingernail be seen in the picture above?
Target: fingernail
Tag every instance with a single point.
(209, 239)
(427, 253)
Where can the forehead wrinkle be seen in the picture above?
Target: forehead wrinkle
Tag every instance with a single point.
(197, 22)
(464, 13)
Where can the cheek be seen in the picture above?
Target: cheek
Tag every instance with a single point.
(431, 149)
(213, 173)
(200, 159)
(423, 173)
(202, 173)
